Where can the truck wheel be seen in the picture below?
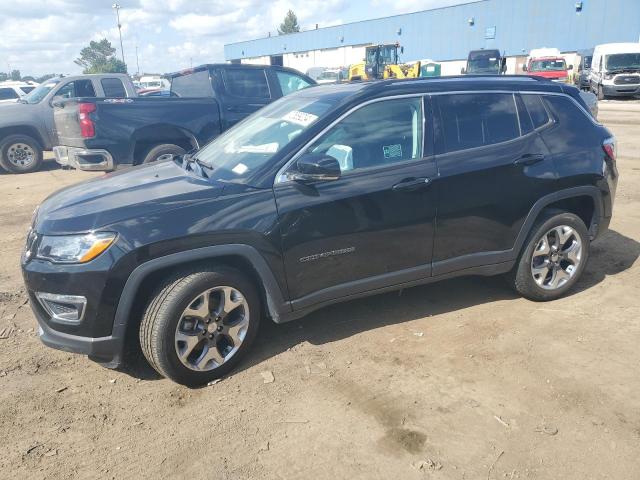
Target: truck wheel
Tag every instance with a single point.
(553, 259)
(600, 93)
(164, 149)
(20, 154)
(200, 324)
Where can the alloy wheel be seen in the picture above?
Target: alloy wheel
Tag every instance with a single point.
(212, 328)
(556, 257)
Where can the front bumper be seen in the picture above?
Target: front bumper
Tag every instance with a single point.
(621, 90)
(83, 158)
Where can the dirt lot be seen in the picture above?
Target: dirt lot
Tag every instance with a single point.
(458, 380)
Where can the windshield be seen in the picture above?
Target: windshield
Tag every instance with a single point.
(328, 76)
(487, 62)
(39, 92)
(623, 61)
(243, 149)
(587, 62)
(553, 65)
(387, 55)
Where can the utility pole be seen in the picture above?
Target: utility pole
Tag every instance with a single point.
(137, 61)
(117, 8)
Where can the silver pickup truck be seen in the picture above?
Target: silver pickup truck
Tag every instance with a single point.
(27, 128)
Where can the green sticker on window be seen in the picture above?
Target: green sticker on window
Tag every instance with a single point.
(392, 151)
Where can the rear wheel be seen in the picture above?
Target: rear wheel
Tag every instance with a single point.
(158, 151)
(199, 325)
(553, 258)
(20, 154)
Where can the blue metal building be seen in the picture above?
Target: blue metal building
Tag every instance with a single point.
(449, 33)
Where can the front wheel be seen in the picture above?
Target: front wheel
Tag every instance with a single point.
(158, 151)
(199, 325)
(20, 154)
(553, 258)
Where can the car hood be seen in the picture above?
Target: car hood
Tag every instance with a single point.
(119, 196)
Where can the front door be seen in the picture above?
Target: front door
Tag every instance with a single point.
(372, 227)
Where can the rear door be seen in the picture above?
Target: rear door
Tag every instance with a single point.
(492, 166)
(246, 90)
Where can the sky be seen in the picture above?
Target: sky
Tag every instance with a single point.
(45, 36)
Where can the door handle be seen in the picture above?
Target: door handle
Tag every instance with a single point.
(411, 184)
(529, 159)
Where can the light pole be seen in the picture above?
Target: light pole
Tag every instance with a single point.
(117, 7)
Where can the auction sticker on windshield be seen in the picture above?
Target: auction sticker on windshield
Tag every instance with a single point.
(301, 118)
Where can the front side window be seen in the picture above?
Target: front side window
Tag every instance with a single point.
(378, 134)
(290, 82)
(77, 88)
(247, 83)
(196, 84)
(477, 119)
(8, 94)
(249, 145)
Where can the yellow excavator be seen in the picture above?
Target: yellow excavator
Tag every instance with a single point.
(381, 62)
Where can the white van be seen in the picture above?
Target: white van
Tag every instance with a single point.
(615, 70)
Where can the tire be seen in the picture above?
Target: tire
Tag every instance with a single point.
(529, 277)
(20, 154)
(189, 349)
(600, 93)
(163, 149)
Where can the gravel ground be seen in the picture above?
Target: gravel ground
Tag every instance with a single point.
(457, 380)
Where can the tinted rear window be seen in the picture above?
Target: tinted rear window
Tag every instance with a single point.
(537, 112)
(569, 114)
(475, 120)
(7, 94)
(113, 88)
(195, 84)
(247, 83)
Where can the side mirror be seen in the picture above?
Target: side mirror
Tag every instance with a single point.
(570, 67)
(314, 168)
(524, 68)
(463, 71)
(57, 101)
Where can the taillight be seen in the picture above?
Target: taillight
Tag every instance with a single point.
(87, 128)
(609, 147)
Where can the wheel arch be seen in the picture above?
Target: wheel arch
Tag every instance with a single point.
(28, 130)
(151, 135)
(243, 257)
(584, 201)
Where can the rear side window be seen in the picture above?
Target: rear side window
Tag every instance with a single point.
(537, 112)
(7, 94)
(247, 83)
(113, 88)
(197, 84)
(476, 120)
(290, 82)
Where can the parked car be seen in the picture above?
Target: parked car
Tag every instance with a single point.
(27, 128)
(615, 70)
(11, 91)
(548, 63)
(97, 134)
(330, 75)
(581, 78)
(485, 62)
(308, 203)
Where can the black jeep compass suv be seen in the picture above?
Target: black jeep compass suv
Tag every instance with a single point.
(329, 194)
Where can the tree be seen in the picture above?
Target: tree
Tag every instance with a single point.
(3, 77)
(99, 57)
(15, 75)
(290, 24)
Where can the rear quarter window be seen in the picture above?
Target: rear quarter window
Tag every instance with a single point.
(535, 108)
(568, 114)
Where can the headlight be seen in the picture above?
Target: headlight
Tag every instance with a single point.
(74, 248)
